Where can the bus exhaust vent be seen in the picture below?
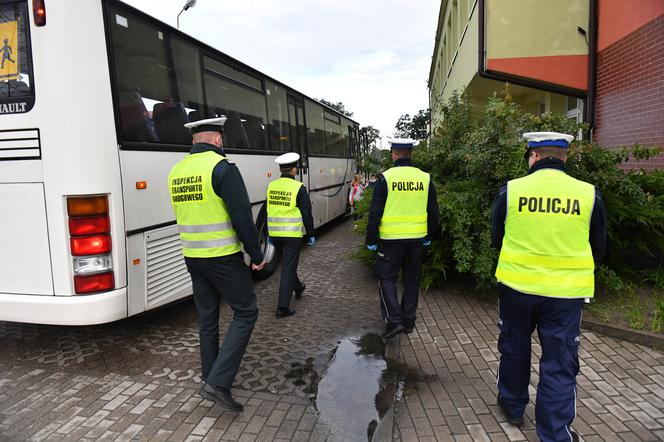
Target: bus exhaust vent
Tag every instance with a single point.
(167, 276)
(20, 144)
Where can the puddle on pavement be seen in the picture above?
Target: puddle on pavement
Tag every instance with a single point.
(353, 386)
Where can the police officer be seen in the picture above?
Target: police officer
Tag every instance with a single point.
(288, 217)
(214, 218)
(403, 217)
(551, 230)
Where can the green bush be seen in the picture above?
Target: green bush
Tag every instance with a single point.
(475, 151)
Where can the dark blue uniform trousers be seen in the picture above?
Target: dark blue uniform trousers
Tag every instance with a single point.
(558, 327)
(290, 257)
(227, 278)
(393, 258)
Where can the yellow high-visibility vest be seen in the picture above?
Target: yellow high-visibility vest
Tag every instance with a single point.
(284, 218)
(405, 213)
(204, 224)
(546, 249)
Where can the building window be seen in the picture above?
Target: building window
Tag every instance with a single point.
(575, 112)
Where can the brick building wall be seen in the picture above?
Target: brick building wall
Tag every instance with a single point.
(630, 92)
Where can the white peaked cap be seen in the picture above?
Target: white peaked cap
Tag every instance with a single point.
(538, 137)
(209, 124)
(401, 143)
(287, 158)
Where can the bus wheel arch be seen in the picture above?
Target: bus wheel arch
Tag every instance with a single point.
(268, 249)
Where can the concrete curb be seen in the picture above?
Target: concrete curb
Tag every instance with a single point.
(649, 339)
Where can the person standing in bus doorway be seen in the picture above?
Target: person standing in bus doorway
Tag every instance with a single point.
(288, 217)
(403, 218)
(551, 230)
(214, 217)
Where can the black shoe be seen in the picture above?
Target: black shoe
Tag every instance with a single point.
(282, 312)
(391, 331)
(299, 290)
(516, 421)
(221, 397)
(408, 328)
(575, 436)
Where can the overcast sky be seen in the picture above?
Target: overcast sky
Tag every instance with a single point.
(373, 55)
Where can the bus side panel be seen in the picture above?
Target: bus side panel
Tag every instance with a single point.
(257, 172)
(329, 178)
(157, 273)
(150, 206)
(25, 264)
(74, 113)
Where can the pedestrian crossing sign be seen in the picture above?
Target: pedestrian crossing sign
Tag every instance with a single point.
(9, 69)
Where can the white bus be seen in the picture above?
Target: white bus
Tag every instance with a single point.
(93, 98)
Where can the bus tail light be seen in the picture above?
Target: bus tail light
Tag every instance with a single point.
(39, 12)
(90, 242)
(87, 206)
(90, 245)
(89, 225)
(92, 264)
(93, 283)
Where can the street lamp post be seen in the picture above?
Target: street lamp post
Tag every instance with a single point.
(189, 4)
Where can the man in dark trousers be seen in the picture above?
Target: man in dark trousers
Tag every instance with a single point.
(403, 218)
(214, 217)
(288, 217)
(551, 230)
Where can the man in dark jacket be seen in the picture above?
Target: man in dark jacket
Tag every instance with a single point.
(551, 231)
(288, 218)
(214, 216)
(403, 218)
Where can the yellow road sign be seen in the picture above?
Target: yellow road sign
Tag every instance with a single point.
(9, 68)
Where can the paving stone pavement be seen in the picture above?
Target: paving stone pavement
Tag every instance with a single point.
(452, 360)
(137, 379)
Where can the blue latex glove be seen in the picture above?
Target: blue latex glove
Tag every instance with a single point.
(426, 243)
(311, 241)
(372, 247)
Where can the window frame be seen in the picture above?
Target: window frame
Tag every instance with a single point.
(110, 6)
(28, 99)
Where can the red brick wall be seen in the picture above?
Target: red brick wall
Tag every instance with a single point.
(630, 92)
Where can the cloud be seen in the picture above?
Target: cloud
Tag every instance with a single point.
(372, 55)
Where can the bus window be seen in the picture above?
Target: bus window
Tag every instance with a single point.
(244, 108)
(188, 89)
(16, 81)
(157, 79)
(315, 127)
(334, 140)
(277, 109)
(225, 70)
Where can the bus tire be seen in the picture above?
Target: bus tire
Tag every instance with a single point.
(270, 267)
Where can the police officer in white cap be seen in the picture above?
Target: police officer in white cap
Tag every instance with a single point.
(214, 217)
(288, 218)
(403, 218)
(551, 231)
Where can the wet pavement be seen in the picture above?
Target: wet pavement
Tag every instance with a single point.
(322, 374)
(137, 379)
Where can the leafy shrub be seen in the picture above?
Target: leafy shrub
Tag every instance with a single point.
(475, 151)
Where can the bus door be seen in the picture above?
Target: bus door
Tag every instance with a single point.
(298, 133)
